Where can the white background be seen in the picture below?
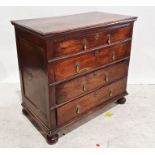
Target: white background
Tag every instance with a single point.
(142, 64)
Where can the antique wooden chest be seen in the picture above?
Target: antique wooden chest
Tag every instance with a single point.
(71, 67)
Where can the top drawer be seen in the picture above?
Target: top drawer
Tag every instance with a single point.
(74, 44)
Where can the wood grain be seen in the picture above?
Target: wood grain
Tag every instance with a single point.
(53, 25)
(75, 44)
(69, 111)
(67, 68)
(66, 91)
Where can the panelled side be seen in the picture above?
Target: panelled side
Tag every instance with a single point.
(32, 64)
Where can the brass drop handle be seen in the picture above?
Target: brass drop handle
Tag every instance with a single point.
(84, 86)
(84, 44)
(78, 109)
(109, 39)
(77, 67)
(78, 70)
(106, 77)
(110, 93)
(113, 55)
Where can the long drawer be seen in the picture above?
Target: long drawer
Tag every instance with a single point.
(71, 89)
(74, 44)
(75, 65)
(73, 109)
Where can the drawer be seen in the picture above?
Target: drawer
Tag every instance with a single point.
(81, 43)
(66, 91)
(75, 65)
(75, 108)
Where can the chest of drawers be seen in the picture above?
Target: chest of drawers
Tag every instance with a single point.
(70, 67)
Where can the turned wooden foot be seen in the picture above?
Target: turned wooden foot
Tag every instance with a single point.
(121, 100)
(52, 139)
(24, 112)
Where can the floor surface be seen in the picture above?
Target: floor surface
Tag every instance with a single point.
(128, 125)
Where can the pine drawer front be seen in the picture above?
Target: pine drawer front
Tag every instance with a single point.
(76, 65)
(66, 91)
(74, 44)
(85, 103)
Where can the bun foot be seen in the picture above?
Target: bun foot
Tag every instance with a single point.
(52, 139)
(24, 112)
(121, 100)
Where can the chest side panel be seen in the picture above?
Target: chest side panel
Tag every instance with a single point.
(33, 74)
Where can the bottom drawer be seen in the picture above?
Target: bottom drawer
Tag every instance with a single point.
(76, 107)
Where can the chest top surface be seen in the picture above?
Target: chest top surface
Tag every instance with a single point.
(54, 25)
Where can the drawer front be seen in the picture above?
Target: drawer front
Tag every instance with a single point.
(94, 39)
(66, 91)
(76, 65)
(87, 102)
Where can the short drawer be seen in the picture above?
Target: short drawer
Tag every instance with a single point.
(75, 108)
(75, 65)
(76, 44)
(73, 88)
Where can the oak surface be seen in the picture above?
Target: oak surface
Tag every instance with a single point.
(51, 25)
